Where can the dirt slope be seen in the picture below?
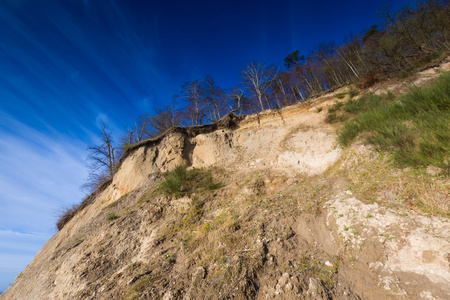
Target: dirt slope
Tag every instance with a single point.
(294, 217)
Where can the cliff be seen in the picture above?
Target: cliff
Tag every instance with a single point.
(272, 207)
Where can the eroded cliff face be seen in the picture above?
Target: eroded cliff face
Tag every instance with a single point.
(287, 222)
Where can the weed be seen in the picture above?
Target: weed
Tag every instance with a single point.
(387, 236)
(341, 95)
(112, 217)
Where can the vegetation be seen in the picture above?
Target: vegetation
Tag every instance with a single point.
(414, 128)
(180, 181)
(66, 215)
(112, 217)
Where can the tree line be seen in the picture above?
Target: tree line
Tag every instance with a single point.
(404, 41)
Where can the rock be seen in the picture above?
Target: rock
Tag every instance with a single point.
(289, 286)
(434, 171)
(284, 279)
(316, 289)
(168, 296)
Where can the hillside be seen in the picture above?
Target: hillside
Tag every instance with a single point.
(269, 206)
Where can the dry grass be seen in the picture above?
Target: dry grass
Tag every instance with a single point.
(68, 213)
(376, 179)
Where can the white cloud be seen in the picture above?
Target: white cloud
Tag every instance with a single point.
(39, 174)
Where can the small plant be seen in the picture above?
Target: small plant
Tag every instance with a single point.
(341, 95)
(331, 118)
(354, 106)
(206, 227)
(369, 216)
(335, 107)
(352, 93)
(174, 180)
(112, 217)
(387, 236)
(180, 181)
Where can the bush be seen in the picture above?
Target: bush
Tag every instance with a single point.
(68, 213)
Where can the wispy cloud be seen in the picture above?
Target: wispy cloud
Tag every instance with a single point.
(16, 251)
(39, 174)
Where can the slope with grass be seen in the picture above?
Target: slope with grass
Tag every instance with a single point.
(269, 206)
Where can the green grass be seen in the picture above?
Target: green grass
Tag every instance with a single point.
(173, 184)
(341, 95)
(415, 128)
(180, 181)
(335, 107)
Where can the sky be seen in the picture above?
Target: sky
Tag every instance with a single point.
(68, 66)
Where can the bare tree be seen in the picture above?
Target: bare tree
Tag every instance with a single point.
(214, 98)
(164, 119)
(102, 160)
(192, 92)
(257, 79)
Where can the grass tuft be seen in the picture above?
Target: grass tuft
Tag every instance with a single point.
(174, 180)
(180, 181)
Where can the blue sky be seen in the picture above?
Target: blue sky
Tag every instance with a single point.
(67, 66)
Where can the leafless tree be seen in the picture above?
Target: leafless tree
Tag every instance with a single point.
(164, 119)
(191, 92)
(102, 160)
(214, 99)
(257, 79)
